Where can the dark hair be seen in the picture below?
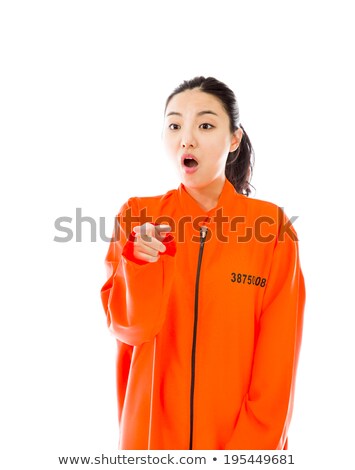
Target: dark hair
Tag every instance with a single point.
(240, 163)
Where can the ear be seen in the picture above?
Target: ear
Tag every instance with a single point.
(236, 138)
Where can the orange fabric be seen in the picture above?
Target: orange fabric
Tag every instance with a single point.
(248, 337)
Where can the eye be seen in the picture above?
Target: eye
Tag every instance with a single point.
(173, 129)
(206, 124)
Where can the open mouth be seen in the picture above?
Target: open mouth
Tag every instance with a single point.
(190, 162)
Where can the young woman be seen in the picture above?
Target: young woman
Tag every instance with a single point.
(205, 293)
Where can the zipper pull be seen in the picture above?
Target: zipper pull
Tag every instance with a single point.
(203, 233)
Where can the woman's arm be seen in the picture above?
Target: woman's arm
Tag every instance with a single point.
(267, 407)
(135, 293)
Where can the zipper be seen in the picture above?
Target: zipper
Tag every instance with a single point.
(203, 232)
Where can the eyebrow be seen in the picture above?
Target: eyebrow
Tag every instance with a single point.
(201, 113)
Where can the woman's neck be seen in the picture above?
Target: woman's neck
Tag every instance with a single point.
(207, 197)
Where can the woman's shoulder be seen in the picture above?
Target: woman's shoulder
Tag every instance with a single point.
(263, 212)
(153, 199)
(267, 213)
(262, 206)
(149, 202)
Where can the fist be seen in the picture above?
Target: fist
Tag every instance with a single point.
(148, 244)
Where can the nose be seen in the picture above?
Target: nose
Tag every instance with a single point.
(188, 140)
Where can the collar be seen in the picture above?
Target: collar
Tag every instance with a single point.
(191, 207)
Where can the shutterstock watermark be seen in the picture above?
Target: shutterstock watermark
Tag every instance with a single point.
(263, 228)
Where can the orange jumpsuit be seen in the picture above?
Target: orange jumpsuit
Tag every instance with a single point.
(209, 335)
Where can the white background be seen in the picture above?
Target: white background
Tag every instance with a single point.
(83, 87)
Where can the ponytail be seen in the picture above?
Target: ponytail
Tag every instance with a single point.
(239, 165)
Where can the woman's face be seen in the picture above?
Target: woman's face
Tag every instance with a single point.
(197, 125)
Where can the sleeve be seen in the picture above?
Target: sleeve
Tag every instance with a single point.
(135, 294)
(266, 410)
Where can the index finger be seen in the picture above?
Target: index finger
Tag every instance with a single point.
(162, 228)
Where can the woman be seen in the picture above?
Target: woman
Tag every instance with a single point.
(205, 294)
